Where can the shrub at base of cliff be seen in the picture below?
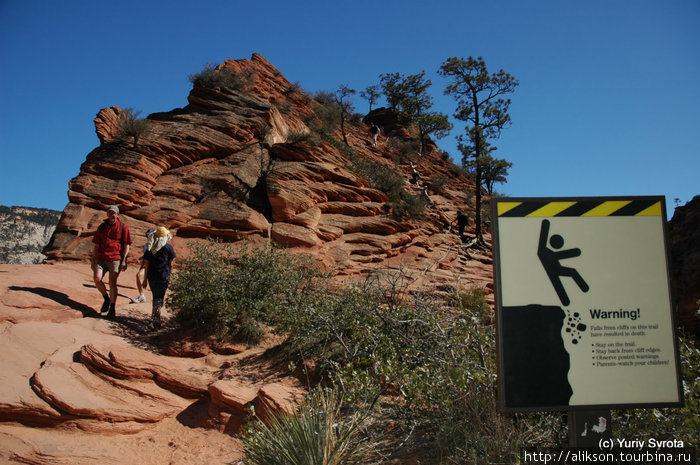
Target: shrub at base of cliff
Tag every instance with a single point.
(669, 423)
(423, 363)
(430, 360)
(232, 291)
(320, 432)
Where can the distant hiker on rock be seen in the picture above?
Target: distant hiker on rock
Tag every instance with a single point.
(141, 274)
(112, 242)
(374, 130)
(424, 195)
(158, 261)
(462, 223)
(415, 175)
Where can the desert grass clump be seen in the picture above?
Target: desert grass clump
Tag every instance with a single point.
(322, 432)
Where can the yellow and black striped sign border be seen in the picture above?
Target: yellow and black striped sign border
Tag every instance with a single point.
(546, 208)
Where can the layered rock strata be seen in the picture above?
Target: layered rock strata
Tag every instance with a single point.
(250, 163)
(76, 388)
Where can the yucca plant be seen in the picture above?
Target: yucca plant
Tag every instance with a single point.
(319, 433)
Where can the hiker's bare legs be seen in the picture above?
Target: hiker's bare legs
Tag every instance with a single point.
(139, 279)
(97, 275)
(113, 275)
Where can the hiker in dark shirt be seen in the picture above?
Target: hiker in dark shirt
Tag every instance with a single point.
(462, 223)
(158, 262)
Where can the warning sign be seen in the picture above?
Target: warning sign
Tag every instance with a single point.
(583, 304)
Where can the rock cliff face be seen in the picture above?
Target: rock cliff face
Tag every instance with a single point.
(684, 238)
(24, 232)
(251, 163)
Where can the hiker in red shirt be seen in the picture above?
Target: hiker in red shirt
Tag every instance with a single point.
(112, 242)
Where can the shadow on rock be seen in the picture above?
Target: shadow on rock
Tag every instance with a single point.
(136, 331)
(196, 415)
(59, 297)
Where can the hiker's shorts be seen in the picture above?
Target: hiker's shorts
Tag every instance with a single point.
(113, 266)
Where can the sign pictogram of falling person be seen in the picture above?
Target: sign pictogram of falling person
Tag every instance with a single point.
(583, 304)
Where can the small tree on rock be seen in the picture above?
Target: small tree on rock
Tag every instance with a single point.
(342, 96)
(130, 125)
(371, 94)
(409, 96)
(494, 170)
(392, 87)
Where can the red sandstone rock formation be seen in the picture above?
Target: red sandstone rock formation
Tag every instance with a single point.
(230, 165)
(78, 389)
(684, 238)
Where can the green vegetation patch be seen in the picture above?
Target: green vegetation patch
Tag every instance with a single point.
(233, 291)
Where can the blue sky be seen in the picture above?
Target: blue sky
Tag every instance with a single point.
(608, 102)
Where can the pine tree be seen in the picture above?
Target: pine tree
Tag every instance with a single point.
(481, 105)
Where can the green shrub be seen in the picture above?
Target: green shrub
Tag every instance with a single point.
(231, 292)
(409, 205)
(294, 88)
(408, 149)
(297, 93)
(320, 433)
(380, 176)
(432, 357)
(669, 423)
(223, 78)
(437, 184)
(457, 170)
(328, 112)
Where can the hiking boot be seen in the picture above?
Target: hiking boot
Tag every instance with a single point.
(154, 326)
(140, 299)
(105, 304)
(111, 314)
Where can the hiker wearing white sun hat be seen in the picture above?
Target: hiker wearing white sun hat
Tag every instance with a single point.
(158, 260)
